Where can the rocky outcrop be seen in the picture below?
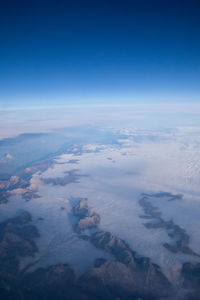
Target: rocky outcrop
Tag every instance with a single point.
(121, 281)
(191, 280)
(7, 186)
(87, 223)
(191, 274)
(138, 275)
(21, 180)
(87, 217)
(16, 239)
(71, 177)
(13, 183)
(126, 277)
(179, 236)
(128, 274)
(150, 211)
(112, 275)
(170, 196)
(117, 247)
(54, 282)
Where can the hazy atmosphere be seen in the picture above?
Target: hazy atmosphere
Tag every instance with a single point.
(100, 150)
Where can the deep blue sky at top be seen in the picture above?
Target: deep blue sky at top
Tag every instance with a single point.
(64, 52)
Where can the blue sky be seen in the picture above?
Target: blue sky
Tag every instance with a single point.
(96, 52)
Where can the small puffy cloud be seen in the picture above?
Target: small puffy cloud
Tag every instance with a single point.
(9, 156)
(34, 182)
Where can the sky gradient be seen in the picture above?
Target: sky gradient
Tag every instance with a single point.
(96, 52)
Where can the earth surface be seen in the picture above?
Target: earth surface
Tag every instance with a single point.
(105, 207)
